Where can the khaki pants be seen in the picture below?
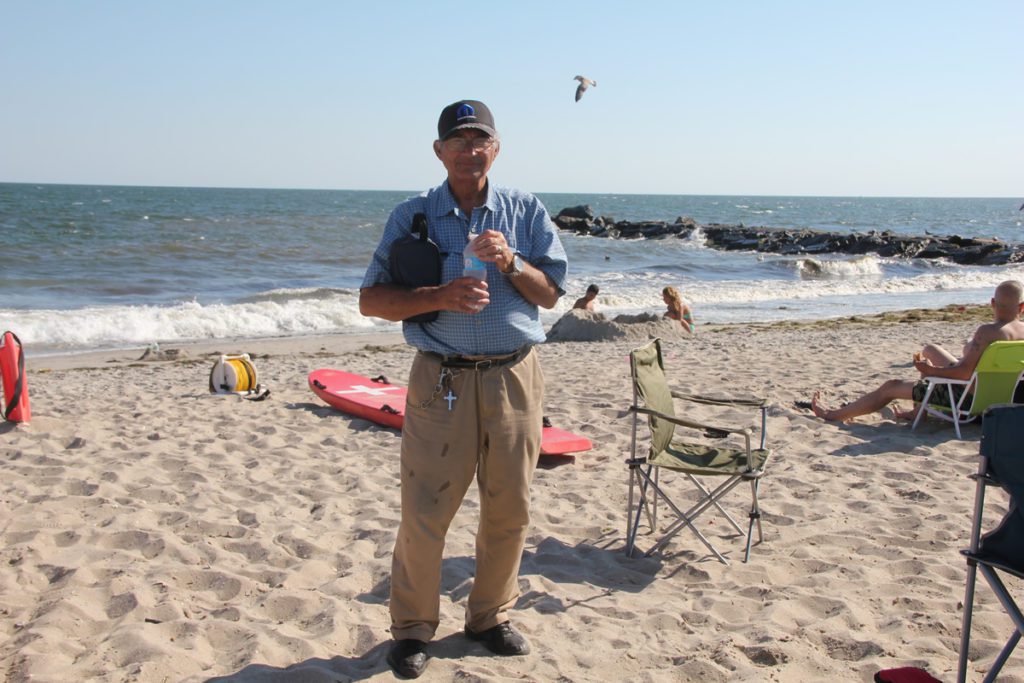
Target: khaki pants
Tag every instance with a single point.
(493, 432)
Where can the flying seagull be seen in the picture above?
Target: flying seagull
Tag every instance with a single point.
(584, 84)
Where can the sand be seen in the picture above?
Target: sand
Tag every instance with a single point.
(153, 532)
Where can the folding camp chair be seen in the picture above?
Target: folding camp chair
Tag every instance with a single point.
(994, 381)
(1002, 549)
(692, 459)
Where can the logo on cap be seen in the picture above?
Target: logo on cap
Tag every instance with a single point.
(465, 111)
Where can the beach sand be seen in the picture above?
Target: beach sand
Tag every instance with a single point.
(153, 532)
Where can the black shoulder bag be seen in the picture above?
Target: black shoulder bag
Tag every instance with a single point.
(415, 261)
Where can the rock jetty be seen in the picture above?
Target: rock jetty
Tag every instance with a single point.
(962, 250)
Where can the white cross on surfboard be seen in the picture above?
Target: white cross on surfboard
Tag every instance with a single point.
(377, 390)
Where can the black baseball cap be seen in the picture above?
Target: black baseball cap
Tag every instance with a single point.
(465, 114)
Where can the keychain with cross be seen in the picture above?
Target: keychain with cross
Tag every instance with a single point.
(444, 381)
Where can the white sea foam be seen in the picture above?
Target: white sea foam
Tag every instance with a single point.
(852, 289)
(810, 268)
(117, 326)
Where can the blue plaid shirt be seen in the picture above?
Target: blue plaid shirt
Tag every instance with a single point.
(509, 321)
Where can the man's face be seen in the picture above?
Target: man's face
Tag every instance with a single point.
(467, 154)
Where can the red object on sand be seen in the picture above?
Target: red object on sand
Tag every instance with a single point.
(12, 366)
(905, 674)
(384, 403)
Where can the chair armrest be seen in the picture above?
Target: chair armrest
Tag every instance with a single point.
(690, 423)
(947, 380)
(711, 400)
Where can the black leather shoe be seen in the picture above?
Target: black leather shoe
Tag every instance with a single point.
(408, 657)
(501, 640)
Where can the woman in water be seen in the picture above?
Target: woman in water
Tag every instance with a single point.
(677, 308)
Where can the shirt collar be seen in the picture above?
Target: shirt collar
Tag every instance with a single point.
(446, 203)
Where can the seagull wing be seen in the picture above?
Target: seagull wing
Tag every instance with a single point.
(584, 84)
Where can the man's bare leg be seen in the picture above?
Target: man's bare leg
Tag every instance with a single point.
(870, 402)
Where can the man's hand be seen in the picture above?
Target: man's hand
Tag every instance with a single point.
(533, 284)
(492, 246)
(922, 364)
(465, 295)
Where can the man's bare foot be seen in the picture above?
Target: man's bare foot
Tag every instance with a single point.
(905, 414)
(819, 410)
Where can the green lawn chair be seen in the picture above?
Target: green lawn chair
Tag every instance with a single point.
(994, 381)
(693, 459)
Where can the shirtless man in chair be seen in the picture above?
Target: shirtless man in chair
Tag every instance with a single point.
(934, 361)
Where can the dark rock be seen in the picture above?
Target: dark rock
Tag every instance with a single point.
(961, 250)
(582, 211)
(577, 225)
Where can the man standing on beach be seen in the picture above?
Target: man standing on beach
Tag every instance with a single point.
(1007, 306)
(474, 405)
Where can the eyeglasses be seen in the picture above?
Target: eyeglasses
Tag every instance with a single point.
(459, 145)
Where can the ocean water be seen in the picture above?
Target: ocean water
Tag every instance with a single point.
(87, 267)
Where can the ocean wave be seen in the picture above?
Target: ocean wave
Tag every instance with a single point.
(300, 294)
(119, 326)
(632, 292)
(814, 269)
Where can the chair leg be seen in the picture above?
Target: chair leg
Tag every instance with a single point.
(684, 520)
(630, 528)
(1011, 609)
(635, 505)
(640, 481)
(1004, 654)
(955, 410)
(654, 507)
(707, 496)
(924, 405)
(755, 516)
(760, 531)
(965, 633)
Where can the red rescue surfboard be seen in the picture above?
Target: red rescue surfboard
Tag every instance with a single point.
(14, 406)
(384, 403)
(378, 401)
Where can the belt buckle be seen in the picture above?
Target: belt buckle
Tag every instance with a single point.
(484, 364)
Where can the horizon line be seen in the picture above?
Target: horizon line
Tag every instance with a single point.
(535, 192)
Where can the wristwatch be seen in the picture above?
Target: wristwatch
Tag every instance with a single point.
(517, 266)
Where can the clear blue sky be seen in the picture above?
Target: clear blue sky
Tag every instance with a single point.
(799, 98)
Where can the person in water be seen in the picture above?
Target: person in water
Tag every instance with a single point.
(586, 302)
(677, 308)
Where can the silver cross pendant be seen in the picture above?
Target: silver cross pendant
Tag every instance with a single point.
(450, 397)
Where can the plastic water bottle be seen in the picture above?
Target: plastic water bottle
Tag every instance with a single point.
(471, 265)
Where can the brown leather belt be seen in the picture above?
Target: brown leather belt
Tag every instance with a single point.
(479, 362)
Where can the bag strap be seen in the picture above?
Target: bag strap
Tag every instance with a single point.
(419, 226)
(19, 384)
